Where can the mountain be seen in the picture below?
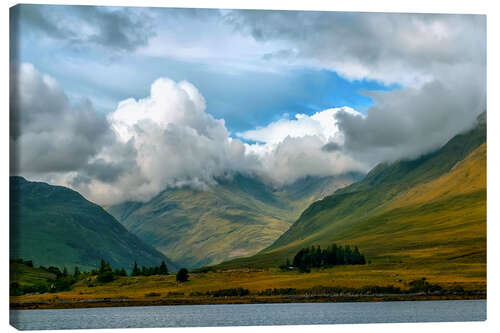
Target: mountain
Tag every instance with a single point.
(429, 210)
(237, 217)
(54, 225)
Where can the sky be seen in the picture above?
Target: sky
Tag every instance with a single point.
(120, 103)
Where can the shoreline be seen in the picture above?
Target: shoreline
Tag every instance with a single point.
(126, 302)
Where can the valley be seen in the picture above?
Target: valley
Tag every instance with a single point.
(237, 217)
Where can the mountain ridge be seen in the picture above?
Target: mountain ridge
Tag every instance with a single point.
(54, 225)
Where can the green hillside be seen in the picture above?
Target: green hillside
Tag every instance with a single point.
(53, 225)
(237, 217)
(426, 212)
(25, 275)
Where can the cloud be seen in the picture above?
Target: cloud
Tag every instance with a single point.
(410, 122)
(50, 134)
(164, 140)
(168, 139)
(290, 149)
(438, 62)
(177, 142)
(296, 157)
(331, 146)
(113, 28)
(390, 47)
(322, 124)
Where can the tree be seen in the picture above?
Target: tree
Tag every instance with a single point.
(163, 268)
(135, 271)
(77, 272)
(106, 276)
(182, 275)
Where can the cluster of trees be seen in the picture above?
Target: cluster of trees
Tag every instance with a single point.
(105, 273)
(147, 271)
(314, 257)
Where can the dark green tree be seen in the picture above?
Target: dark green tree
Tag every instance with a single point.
(135, 271)
(163, 268)
(106, 276)
(102, 266)
(182, 275)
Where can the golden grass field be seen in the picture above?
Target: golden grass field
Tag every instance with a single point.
(470, 277)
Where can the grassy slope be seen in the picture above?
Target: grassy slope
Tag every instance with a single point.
(239, 217)
(54, 225)
(28, 276)
(426, 215)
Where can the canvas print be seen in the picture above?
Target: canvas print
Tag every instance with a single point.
(174, 167)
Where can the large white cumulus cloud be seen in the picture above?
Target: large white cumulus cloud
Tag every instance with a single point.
(176, 142)
(323, 124)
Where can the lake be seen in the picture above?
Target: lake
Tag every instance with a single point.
(250, 314)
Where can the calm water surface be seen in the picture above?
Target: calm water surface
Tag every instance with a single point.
(250, 314)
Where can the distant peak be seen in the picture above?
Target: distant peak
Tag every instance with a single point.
(17, 179)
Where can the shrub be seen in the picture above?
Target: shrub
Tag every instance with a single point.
(423, 286)
(229, 292)
(105, 277)
(152, 294)
(175, 293)
(182, 275)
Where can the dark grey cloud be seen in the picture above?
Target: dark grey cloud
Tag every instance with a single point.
(331, 147)
(124, 29)
(51, 135)
(120, 28)
(35, 18)
(407, 123)
(389, 47)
